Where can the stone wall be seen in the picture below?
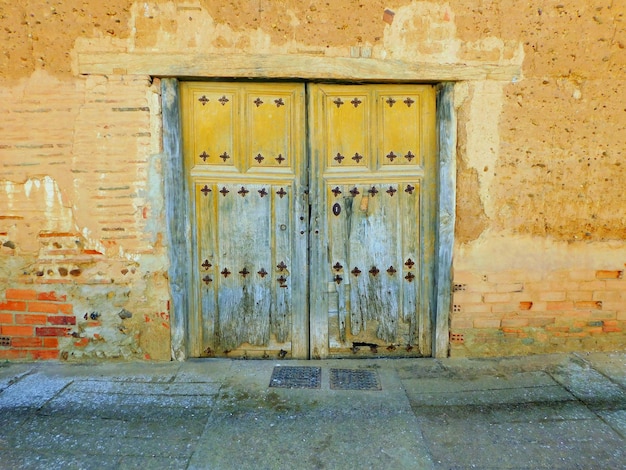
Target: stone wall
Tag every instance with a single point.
(541, 216)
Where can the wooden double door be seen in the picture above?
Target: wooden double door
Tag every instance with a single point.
(313, 207)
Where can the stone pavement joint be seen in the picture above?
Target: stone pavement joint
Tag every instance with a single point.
(553, 411)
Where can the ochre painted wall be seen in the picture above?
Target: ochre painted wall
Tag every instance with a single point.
(540, 246)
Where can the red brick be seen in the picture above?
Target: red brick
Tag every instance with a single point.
(6, 318)
(606, 274)
(511, 331)
(526, 305)
(25, 342)
(611, 329)
(50, 342)
(14, 354)
(44, 307)
(17, 330)
(14, 306)
(21, 294)
(51, 331)
(66, 308)
(556, 305)
(609, 323)
(45, 354)
(588, 304)
(52, 296)
(29, 319)
(61, 320)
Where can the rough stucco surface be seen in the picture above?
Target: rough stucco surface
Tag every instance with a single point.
(540, 159)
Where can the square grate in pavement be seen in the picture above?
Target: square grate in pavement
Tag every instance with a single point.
(354, 379)
(296, 377)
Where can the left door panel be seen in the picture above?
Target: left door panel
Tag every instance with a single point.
(244, 153)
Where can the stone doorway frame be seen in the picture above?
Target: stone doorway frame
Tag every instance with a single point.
(181, 237)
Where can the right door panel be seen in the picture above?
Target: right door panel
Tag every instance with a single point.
(374, 180)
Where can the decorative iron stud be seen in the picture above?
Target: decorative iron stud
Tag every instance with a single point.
(391, 270)
(338, 102)
(280, 159)
(262, 272)
(357, 158)
(224, 191)
(282, 280)
(354, 191)
(244, 272)
(337, 267)
(225, 272)
(206, 190)
(339, 157)
(259, 158)
(224, 156)
(391, 191)
(408, 102)
(338, 279)
(356, 102)
(409, 156)
(262, 192)
(409, 189)
(279, 102)
(390, 101)
(203, 99)
(391, 156)
(258, 102)
(281, 192)
(207, 279)
(409, 277)
(373, 191)
(223, 100)
(281, 266)
(206, 264)
(336, 191)
(204, 156)
(409, 263)
(243, 191)
(374, 271)
(356, 271)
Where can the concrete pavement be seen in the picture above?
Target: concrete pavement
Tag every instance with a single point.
(557, 412)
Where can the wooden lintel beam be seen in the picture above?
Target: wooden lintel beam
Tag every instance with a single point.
(286, 66)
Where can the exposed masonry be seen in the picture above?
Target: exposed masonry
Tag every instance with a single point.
(538, 312)
(32, 324)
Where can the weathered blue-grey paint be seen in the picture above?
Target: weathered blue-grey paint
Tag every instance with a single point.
(446, 125)
(178, 229)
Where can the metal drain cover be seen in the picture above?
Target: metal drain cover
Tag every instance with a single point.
(354, 379)
(296, 377)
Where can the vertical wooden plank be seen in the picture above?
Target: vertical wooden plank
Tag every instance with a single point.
(178, 229)
(318, 256)
(243, 237)
(339, 211)
(282, 285)
(411, 258)
(206, 264)
(373, 245)
(446, 122)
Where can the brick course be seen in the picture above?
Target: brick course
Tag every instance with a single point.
(34, 332)
(548, 316)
